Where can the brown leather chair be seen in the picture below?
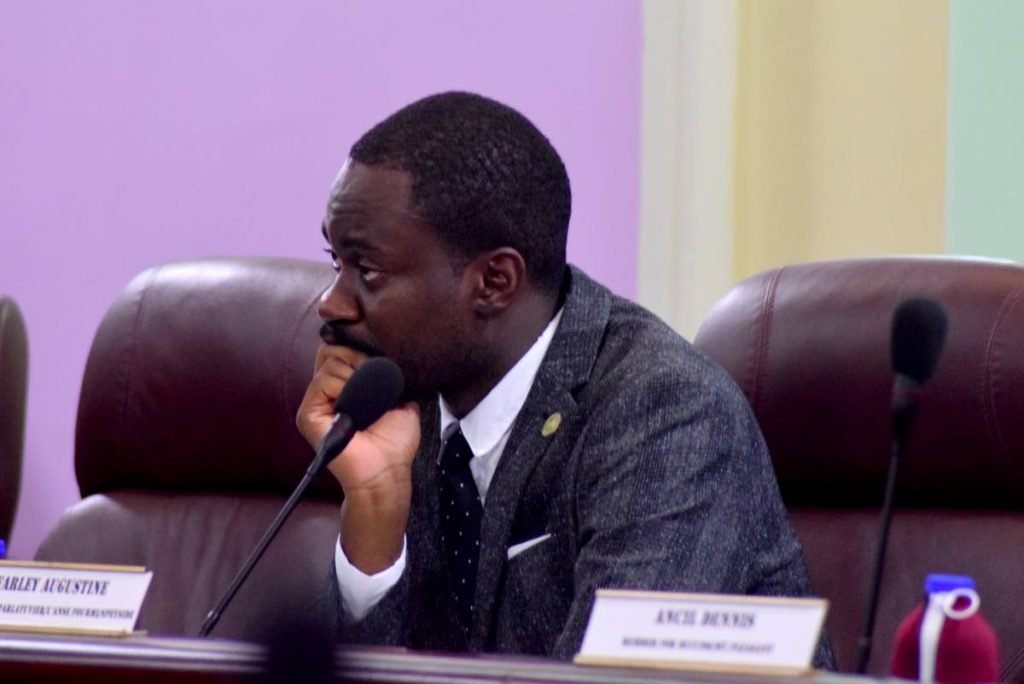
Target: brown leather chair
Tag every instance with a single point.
(186, 444)
(13, 382)
(809, 345)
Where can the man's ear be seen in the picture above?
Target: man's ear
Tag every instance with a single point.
(501, 277)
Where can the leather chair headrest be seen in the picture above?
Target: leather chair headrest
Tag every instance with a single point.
(13, 388)
(195, 375)
(810, 347)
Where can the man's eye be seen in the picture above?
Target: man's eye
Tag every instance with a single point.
(369, 275)
(334, 259)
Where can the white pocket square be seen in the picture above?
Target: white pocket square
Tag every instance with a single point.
(517, 549)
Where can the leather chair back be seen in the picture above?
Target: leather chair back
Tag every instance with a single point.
(810, 347)
(13, 384)
(186, 444)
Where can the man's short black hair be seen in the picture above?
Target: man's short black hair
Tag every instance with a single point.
(482, 175)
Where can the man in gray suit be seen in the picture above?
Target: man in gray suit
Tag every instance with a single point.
(557, 438)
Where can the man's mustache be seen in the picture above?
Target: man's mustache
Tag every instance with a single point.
(337, 333)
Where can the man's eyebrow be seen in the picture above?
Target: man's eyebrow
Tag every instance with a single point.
(348, 242)
(340, 215)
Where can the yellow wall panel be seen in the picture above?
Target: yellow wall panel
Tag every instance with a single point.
(840, 130)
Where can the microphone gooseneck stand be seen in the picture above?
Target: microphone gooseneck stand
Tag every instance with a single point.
(372, 390)
(901, 425)
(919, 327)
(328, 450)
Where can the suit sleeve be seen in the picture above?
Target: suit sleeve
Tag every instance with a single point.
(384, 625)
(359, 592)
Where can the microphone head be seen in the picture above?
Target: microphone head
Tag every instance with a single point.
(918, 335)
(374, 388)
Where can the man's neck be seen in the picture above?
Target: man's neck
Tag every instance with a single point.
(509, 343)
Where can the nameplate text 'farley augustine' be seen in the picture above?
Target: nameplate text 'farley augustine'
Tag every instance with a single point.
(71, 597)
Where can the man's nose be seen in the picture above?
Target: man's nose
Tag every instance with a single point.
(337, 303)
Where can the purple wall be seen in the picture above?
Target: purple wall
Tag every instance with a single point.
(136, 133)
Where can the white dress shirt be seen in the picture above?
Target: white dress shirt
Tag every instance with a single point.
(486, 429)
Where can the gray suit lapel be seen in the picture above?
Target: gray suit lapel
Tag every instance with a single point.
(566, 367)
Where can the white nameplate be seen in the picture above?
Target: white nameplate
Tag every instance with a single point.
(703, 631)
(71, 597)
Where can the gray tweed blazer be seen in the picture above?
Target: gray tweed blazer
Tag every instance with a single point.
(656, 478)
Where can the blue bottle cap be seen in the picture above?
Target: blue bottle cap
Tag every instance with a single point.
(937, 583)
(3, 549)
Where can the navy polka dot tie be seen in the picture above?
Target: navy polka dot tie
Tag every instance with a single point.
(461, 511)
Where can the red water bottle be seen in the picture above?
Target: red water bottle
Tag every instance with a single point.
(945, 639)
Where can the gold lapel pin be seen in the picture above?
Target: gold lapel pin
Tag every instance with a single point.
(551, 425)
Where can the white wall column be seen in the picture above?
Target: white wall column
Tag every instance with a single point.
(686, 217)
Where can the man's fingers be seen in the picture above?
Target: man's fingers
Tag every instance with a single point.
(330, 378)
(334, 367)
(381, 453)
(343, 355)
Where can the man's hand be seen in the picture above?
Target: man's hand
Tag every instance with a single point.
(374, 470)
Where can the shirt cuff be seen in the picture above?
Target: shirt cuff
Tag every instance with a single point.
(361, 592)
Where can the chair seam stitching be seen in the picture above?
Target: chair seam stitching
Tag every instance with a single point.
(988, 399)
(133, 351)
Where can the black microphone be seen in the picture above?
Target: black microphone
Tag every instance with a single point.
(374, 388)
(918, 335)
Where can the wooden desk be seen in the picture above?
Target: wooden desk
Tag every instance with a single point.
(25, 658)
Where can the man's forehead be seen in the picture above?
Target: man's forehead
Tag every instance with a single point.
(345, 185)
(360, 186)
(363, 193)
(341, 172)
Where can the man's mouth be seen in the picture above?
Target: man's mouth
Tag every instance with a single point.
(336, 333)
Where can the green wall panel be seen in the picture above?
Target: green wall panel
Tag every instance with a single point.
(985, 148)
